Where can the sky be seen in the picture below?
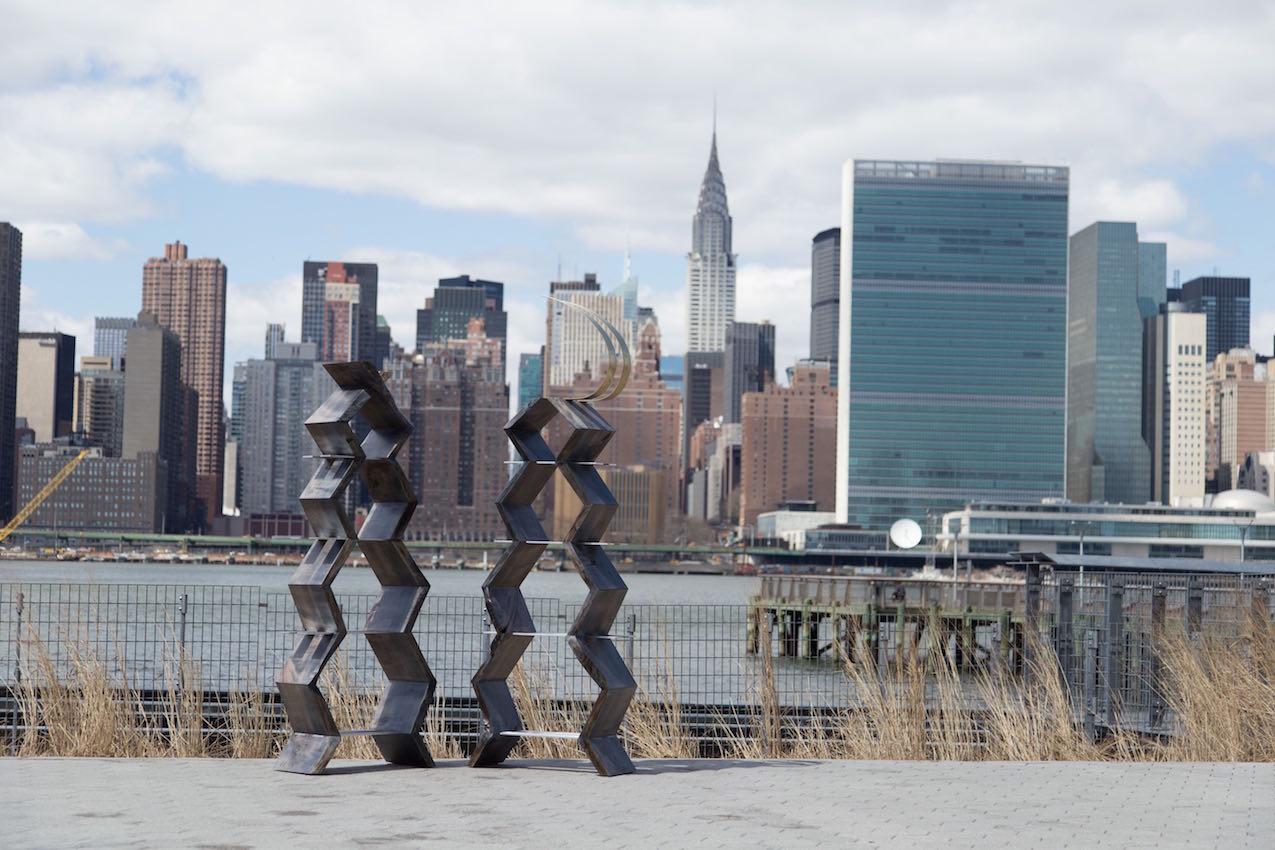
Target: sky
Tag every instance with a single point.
(528, 142)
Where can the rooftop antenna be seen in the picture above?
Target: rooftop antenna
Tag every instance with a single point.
(559, 266)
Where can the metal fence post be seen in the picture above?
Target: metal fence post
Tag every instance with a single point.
(1091, 673)
(182, 604)
(1113, 658)
(630, 629)
(1194, 606)
(181, 623)
(17, 674)
(1031, 619)
(1155, 710)
(1259, 606)
(1066, 641)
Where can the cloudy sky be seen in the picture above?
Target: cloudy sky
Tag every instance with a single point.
(509, 141)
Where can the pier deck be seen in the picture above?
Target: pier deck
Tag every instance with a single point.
(849, 618)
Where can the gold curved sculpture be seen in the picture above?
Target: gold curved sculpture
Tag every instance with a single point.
(618, 356)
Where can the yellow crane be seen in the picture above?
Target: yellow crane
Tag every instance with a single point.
(46, 491)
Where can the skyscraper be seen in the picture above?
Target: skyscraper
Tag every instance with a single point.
(703, 381)
(970, 258)
(384, 341)
(646, 416)
(280, 393)
(1224, 301)
(572, 344)
(710, 265)
(46, 383)
(99, 405)
(750, 363)
(1174, 362)
(788, 432)
(825, 295)
(10, 298)
(315, 276)
(455, 301)
(110, 336)
(1111, 289)
(530, 377)
(341, 320)
(155, 403)
(275, 333)
(189, 298)
(455, 394)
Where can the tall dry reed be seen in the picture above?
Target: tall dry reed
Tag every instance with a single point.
(1219, 695)
(1222, 692)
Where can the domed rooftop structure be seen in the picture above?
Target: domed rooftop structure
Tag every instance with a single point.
(1244, 500)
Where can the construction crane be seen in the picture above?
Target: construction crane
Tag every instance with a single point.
(46, 491)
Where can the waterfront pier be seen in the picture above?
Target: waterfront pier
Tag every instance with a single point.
(850, 618)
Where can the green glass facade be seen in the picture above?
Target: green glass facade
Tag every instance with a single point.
(957, 337)
(1112, 287)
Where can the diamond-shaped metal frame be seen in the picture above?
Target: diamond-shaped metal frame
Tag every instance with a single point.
(589, 636)
(396, 727)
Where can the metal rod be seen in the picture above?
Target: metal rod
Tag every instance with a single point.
(506, 541)
(17, 703)
(523, 733)
(549, 634)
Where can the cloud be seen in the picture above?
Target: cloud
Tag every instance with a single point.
(35, 317)
(1182, 250)
(1262, 331)
(782, 297)
(63, 240)
(1151, 204)
(592, 119)
(581, 113)
(250, 306)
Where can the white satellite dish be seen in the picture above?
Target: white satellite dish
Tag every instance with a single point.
(905, 533)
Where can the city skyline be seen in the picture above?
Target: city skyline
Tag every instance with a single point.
(124, 142)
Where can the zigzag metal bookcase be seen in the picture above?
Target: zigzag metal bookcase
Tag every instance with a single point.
(589, 636)
(396, 726)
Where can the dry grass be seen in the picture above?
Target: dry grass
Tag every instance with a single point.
(1223, 693)
(1220, 694)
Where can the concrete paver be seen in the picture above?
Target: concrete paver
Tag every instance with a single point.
(213, 803)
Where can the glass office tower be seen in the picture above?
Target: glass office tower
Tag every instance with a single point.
(953, 337)
(1114, 283)
(1225, 303)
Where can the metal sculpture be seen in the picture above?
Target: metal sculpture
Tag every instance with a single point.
(589, 636)
(396, 726)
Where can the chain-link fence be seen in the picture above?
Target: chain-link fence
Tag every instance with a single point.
(1113, 631)
(1108, 633)
(224, 640)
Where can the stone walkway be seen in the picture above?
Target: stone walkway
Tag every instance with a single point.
(211, 803)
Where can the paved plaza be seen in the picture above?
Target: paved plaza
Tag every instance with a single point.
(213, 803)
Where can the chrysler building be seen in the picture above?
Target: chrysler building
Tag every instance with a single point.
(710, 265)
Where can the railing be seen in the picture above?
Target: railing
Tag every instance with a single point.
(1107, 635)
(1112, 633)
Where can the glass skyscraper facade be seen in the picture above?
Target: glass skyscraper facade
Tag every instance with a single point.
(1224, 301)
(953, 337)
(825, 294)
(1112, 280)
(530, 377)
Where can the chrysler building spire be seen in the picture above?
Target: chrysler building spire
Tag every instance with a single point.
(710, 265)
